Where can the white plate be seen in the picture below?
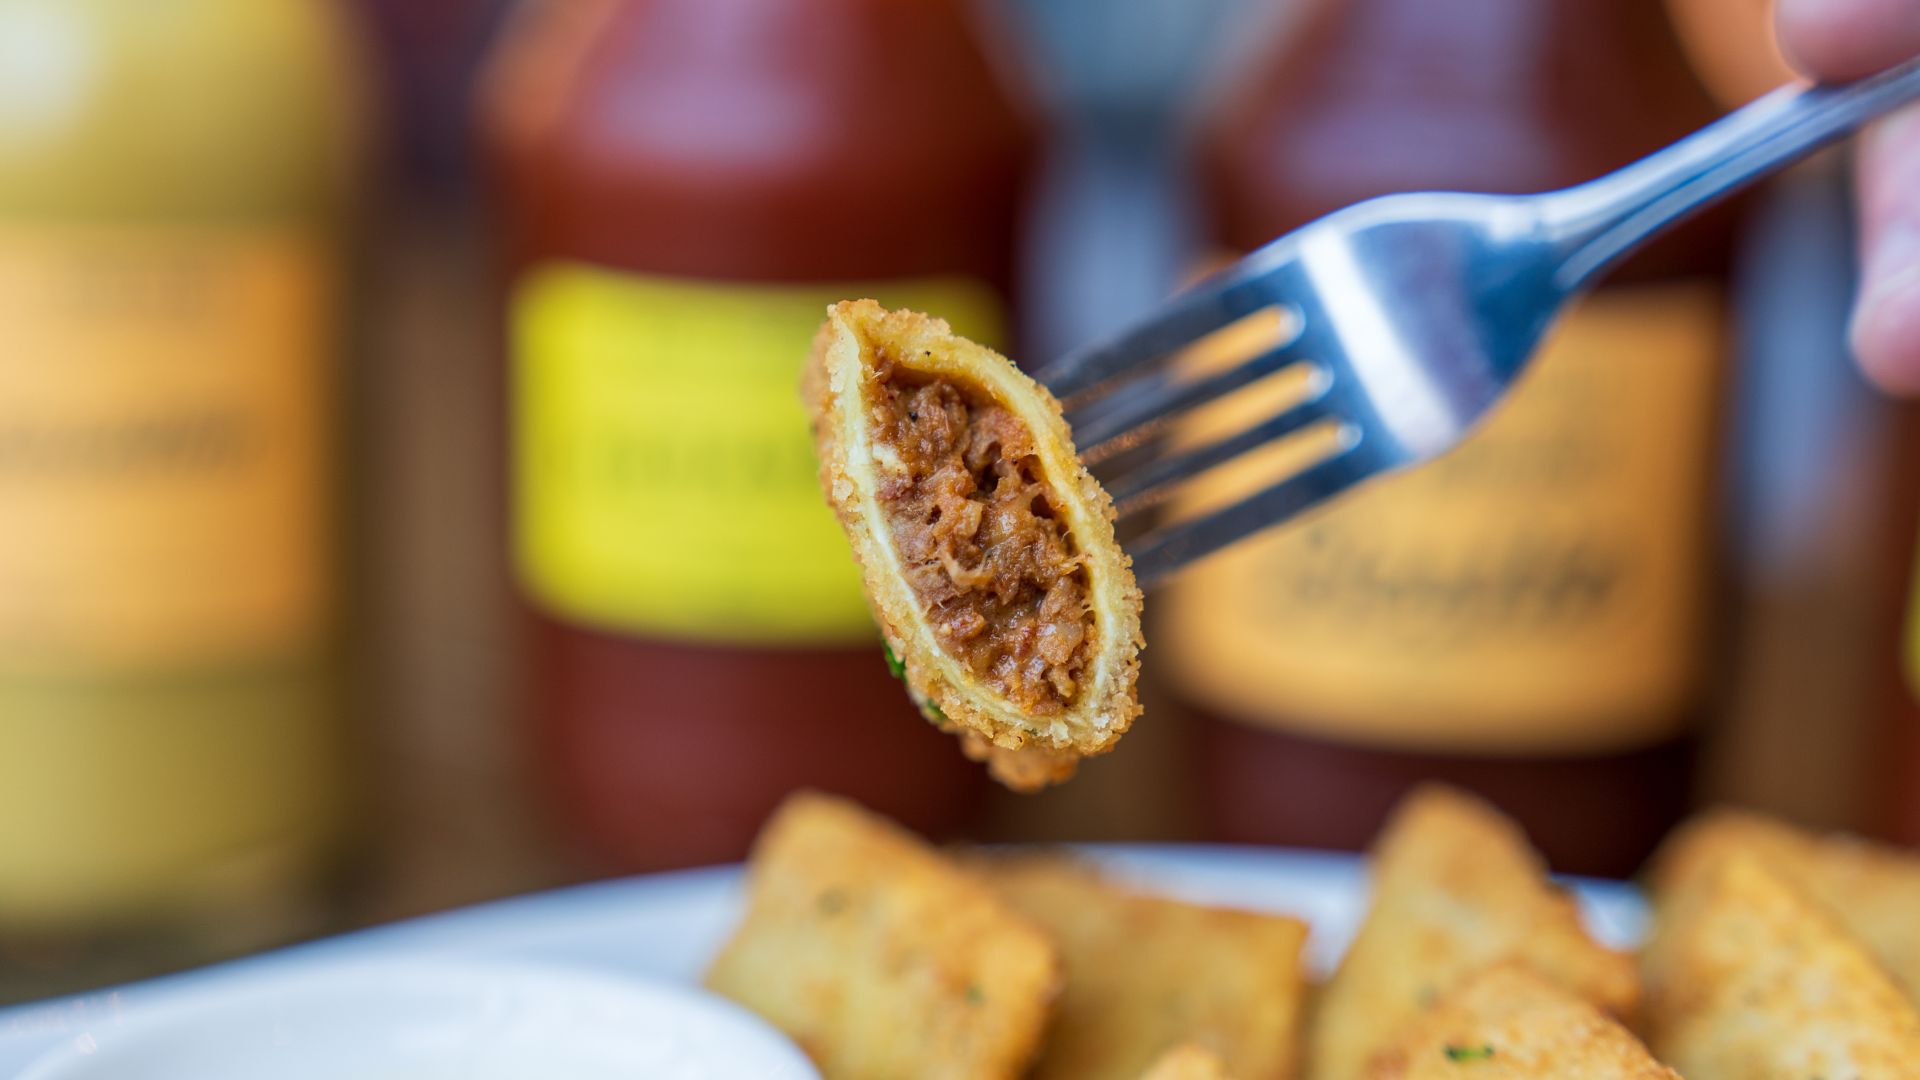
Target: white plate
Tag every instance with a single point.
(431, 1019)
(667, 926)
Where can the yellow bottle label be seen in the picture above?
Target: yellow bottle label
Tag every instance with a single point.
(163, 451)
(664, 474)
(1541, 589)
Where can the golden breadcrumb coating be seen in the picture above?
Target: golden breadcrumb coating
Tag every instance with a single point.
(1508, 1023)
(1873, 889)
(1188, 1062)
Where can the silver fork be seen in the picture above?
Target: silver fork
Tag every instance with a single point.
(1412, 314)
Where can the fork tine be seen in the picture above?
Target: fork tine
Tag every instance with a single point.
(1134, 419)
(1145, 486)
(1171, 547)
(1186, 318)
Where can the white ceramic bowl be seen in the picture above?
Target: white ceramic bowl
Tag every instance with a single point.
(429, 1020)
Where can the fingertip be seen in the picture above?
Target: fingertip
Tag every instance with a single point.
(1846, 39)
(1814, 41)
(1886, 333)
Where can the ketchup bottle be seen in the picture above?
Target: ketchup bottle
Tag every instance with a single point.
(683, 186)
(1527, 616)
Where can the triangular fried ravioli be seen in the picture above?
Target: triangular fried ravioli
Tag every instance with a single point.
(1872, 888)
(1750, 979)
(1148, 973)
(881, 957)
(1456, 888)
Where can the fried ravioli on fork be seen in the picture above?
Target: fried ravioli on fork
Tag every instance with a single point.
(986, 547)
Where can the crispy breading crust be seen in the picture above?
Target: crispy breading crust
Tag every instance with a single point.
(1146, 974)
(1749, 979)
(1873, 889)
(882, 958)
(1456, 888)
(1508, 1023)
(1023, 752)
(1187, 1062)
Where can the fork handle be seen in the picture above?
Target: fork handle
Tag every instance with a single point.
(1596, 224)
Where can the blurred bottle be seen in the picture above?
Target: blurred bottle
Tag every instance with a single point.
(1820, 516)
(174, 180)
(1526, 617)
(429, 54)
(1821, 493)
(685, 184)
(1898, 781)
(451, 776)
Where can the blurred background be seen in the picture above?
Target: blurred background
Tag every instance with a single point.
(404, 499)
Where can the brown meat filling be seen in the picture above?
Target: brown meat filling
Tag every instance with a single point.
(974, 524)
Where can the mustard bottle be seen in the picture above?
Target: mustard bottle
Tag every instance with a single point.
(174, 181)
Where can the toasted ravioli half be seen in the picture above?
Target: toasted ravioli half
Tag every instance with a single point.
(1146, 974)
(882, 958)
(987, 549)
(1750, 979)
(1508, 1023)
(1873, 889)
(1188, 1062)
(1456, 889)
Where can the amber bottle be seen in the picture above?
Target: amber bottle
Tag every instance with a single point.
(683, 185)
(1526, 617)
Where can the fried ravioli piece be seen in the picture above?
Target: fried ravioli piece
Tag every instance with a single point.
(882, 958)
(1748, 979)
(1874, 890)
(1456, 888)
(986, 547)
(1508, 1023)
(1188, 1062)
(1146, 974)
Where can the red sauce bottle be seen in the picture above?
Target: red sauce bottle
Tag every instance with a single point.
(1527, 616)
(684, 185)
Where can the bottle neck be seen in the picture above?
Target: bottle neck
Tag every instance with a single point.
(769, 140)
(1377, 96)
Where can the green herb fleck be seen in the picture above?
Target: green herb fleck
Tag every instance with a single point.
(933, 714)
(894, 663)
(1470, 1053)
(975, 995)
